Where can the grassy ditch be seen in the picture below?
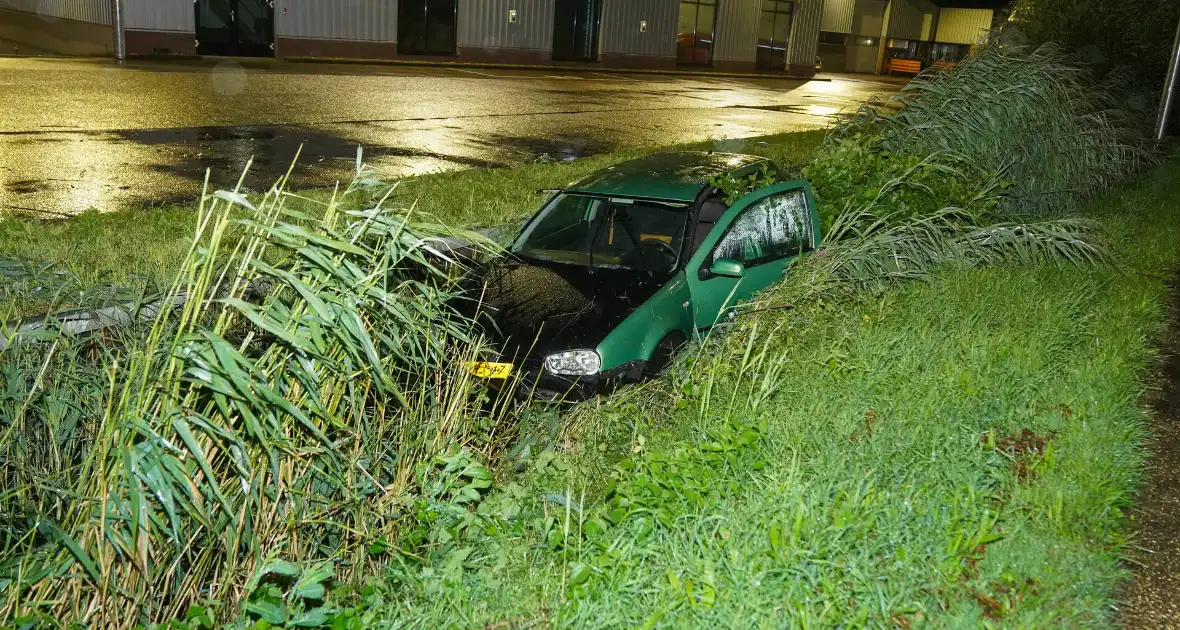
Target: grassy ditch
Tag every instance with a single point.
(856, 451)
(934, 420)
(136, 249)
(288, 413)
(954, 453)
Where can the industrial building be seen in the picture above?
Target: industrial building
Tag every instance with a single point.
(865, 35)
(725, 35)
(773, 36)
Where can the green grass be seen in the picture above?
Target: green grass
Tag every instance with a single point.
(127, 248)
(290, 411)
(882, 485)
(291, 424)
(1033, 119)
(956, 452)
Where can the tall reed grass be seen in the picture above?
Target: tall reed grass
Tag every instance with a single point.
(1036, 119)
(281, 411)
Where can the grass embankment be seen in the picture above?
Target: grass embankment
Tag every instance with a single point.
(336, 400)
(956, 453)
(856, 450)
(134, 247)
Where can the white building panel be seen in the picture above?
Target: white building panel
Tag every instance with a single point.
(92, 11)
(159, 15)
(838, 16)
(963, 26)
(358, 20)
(736, 38)
(522, 24)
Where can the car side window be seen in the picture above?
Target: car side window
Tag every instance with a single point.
(770, 229)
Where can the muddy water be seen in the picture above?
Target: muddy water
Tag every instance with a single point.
(1153, 599)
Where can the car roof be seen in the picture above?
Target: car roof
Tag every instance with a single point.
(678, 176)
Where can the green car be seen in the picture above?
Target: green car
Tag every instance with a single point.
(620, 269)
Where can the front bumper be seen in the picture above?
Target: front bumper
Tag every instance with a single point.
(534, 382)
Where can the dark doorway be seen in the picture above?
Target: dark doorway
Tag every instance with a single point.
(575, 30)
(236, 28)
(774, 29)
(426, 27)
(694, 37)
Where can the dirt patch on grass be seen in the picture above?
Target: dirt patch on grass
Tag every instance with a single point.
(1025, 448)
(1153, 599)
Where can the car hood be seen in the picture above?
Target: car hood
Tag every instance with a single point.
(535, 308)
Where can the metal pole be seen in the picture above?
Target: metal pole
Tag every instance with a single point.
(120, 32)
(1168, 102)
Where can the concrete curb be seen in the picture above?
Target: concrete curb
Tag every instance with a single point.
(546, 68)
(262, 62)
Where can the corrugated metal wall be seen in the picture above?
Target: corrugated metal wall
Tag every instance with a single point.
(868, 18)
(929, 26)
(484, 24)
(93, 11)
(963, 26)
(838, 16)
(906, 18)
(805, 32)
(159, 15)
(362, 20)
(736, 37)
(620, 27)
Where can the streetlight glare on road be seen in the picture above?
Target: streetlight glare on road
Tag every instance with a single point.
(155, 92)
(84, 134)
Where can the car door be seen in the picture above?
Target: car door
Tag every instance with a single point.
(762, 231)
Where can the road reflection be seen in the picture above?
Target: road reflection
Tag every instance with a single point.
(79, 135)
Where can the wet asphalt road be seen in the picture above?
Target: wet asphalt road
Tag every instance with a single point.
(81, 134)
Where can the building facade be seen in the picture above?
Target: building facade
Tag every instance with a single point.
(864, 35)
(773, 36)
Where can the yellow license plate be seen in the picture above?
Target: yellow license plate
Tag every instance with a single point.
(490, 370)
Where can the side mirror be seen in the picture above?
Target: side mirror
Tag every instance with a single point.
(727, 268)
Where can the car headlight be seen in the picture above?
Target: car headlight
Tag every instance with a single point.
(574, 363)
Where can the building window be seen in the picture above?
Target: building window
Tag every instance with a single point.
(834, 39)
(694, 41)
(950, 52)
(903, 50)
(774, 29)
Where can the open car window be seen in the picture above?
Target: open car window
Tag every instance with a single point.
(773, 228)
(607, 232)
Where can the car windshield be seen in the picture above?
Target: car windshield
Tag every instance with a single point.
(608, 232)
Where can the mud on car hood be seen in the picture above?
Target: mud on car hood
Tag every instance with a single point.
(535, 308)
